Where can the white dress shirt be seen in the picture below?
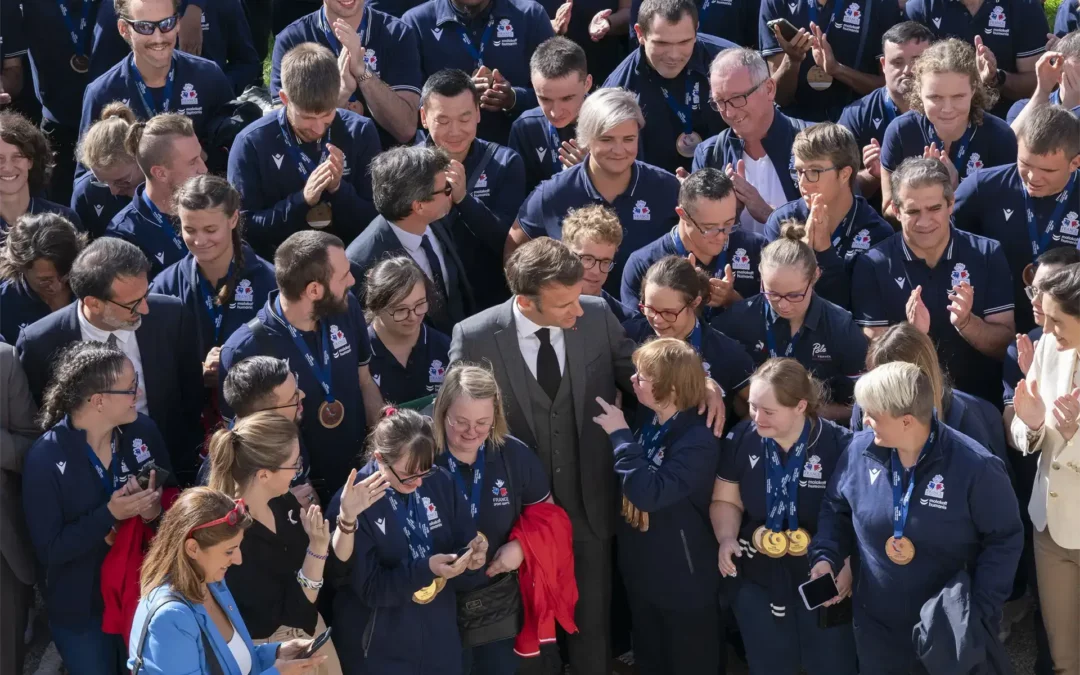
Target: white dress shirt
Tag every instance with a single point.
(126, 340)
(411, 242)
(529, 344)
(762, 175)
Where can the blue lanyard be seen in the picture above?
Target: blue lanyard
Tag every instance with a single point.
(556, 144)
(303, 163)
(323, 373)
(812, 12)
(770, 337)
(682, 110)
(651, 437)
(332, 40)
(845, 224)
(716, 269)
(1040, 241)
(209, 297)
(477, 54)
(162, 222)
(472, 495)
(413, 523)
(110, 478)
(960, 148)
(694, 338)
(890, 108)
(144, 91)
(76, 33)
(902, 497)
(782, 486)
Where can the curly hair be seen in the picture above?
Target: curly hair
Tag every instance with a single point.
(18, 131)
(952, 56)
(81, 370)
(42, 236)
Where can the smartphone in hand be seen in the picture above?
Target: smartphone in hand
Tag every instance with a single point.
(817, 592)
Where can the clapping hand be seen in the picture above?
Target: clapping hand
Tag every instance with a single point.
(962, 297)
(455, 175)
(821, 50)
(562, 17)
(611, 419)
(357, 497)
(600, 25)
(942, 155)
(818, 235)
(871, 158)
(316, 527)
(1028, 404)
(917, 313)
(1067, 413)
(336, 159)
(986, 63)
(499, 95)
(1025, 352)
(570, 154)
(747, 194)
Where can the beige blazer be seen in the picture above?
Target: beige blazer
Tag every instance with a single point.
(1055, 500)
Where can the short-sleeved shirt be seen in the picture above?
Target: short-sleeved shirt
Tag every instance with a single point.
(95, 204)
(423, 373)
(829, 344)
(992, 203)
(992, 143)
(869, 117)
(854, 29)
(1018, 106)
(137, 223)
(12, 37)
(646, 210)
(1010, 371)
(530, 137)
(885, 277)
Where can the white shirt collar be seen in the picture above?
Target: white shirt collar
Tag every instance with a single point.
(91, 332)
(410, 241)
(526, 327)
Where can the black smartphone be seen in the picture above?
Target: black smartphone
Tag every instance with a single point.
(817, 592)
(788, 31)
(160, 475)
(315, 645)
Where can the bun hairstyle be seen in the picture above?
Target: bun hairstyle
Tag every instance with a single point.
(103, 146)
(791, 250)
(264, 440)
(792, 382)
(206, 192)
(150, 142)
(80, 370)
(403, 433)
(680, 275)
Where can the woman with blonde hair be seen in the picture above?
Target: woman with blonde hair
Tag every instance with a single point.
(109, 184)
(187, 620)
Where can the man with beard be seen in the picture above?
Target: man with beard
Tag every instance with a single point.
(109, 279)
(168, 153)
(868, 117)
(316, 324)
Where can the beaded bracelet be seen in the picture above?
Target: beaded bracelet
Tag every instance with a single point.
(315, 555)
(308, 583)
(345, 527)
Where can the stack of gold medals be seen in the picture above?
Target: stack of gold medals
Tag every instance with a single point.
(638, 519)
(780, 544)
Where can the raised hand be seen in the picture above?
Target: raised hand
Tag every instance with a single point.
(570, 154)
(357, 497)
(600, 25)
(962, 299)
(1028, 405)
(917, 313)
(871, 158)
(818, 235)
(986, 63)
(611, 419)
(316, 527)
(799, 46)
(1067, 413)
(562, 17)
(821, 50)
(1025, 352)
(455, 175)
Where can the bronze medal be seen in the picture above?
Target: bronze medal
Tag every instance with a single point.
(319, 216)
(1028, 274)
(685, 144)
(818, 79)
(901, 551)
(80, 63)
(356, 107)
(331, 414)
(798, 542)
(774, 544)
(759, 534)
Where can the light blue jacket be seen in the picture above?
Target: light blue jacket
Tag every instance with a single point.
(174, 645)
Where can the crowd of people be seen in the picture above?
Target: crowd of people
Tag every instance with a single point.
(477, 337)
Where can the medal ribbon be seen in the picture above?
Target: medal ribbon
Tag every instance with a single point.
(110, 478)
(1040, 241)
(413, 522)
(144, 91)
(890, 109)
(304, 164)
(335, 44)
(323, 373)
(960, 148)
(651, 438)
(164, 223)
(209, 297)
(76, 33)
(902, 497)
(556, 144)
(472, 495)
(770, 337)
(682, 110)
(845, 225)
(782, 486)
(477, 54)
(716, 269)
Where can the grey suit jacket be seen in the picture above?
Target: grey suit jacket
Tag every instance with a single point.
(597, 360)
(17, 434)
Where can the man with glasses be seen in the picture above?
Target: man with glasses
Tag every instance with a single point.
(708, 233)
(155, 332)
(755, 151)
(952, 285)
(593, 233)
(826, 161)
(413, 191)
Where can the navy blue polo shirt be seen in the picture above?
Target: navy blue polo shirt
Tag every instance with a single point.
(332, 451)
(732, 20)
(742, 252)
(724, 359)
(829, 343)
(1012, 29)
(1010, 371)
(861, 228)
(12, 39)
(854, 29)
(1067, 19)
(1018, 106)
(20, 306)
(992, 143)
(869, 117)
(199, 91)
(991, 203)
(39, 205)
(646, 210)
(622, 312)
(95, 204)
(496, 515)
(517, 27)
(423, 373)
(883, 281)
(689, 90)
(136, 223)
(253, 285)
(271, 181)
(530, 137)
(392, 53)
(227, 41)
(727, 148)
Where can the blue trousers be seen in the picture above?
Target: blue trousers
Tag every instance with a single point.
(794, 643)
(676, 642)
(86, 650)
(494, 658)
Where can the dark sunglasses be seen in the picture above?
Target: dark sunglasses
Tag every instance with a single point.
(231, 518)
(166, 25)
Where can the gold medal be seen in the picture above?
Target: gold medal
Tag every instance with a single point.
(759, 534)
(1028, 274)
(818, 79)
(798, 542)
(331, 414)
(685, 144)
(80, 63)
(901, 551)
(426, 594)
(319, 216)
(774, 544)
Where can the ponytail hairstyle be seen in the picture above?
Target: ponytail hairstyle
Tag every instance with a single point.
(403, 433)
(150, 142)
(681, 276)
(103, 145)
(906, 343)
(81, 370)
(792, 382)
(790, 250)
(467, 380)
(264, 440)
(206, 192)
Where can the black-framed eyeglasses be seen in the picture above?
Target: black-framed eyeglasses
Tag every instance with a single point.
(166, 25)
(293, 402)
(446, 191)
(812, 175)
(295, 468)
(790, 297)
(132, 307)
(415, 477)
(589, 262)
(133, 392)
(665, 314)
(735, 101)
(709, 231)
(400, 314)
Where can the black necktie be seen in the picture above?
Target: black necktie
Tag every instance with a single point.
(436, 268)
(548, 373)
(112, 342)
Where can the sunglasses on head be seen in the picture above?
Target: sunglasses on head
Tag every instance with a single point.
(166, 25)
(231, 518)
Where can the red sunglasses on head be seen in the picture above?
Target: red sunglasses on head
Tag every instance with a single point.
(231, 518)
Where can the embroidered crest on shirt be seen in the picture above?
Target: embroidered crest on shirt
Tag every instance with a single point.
(98, 208)
(277, 160)
(935, 493)
(811, 473)
(1008, 214)
(437, 372)
(852, 18)
(432, 513)
(337, 338)
(371, 61)
(740, 261)
(861, 240)
(1070, 224)
(142, 453)
(188, 96)
(960, 274)
(974, 162)
(997, 19)
(504, 32)
(641, 211)
(819, 353)
(381, 524)
(437, 32)
(243, 296)
(501, 494)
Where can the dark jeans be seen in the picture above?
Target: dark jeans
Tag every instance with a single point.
(17, 598)
(885, 651)
(86, 650)
(494, 658)
(676, 642)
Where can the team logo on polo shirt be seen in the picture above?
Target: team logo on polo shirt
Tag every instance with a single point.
(974, 162)
(189, 96)
(812, 468)
(708, 3)
(641, 211)
(432, 513)
(740, 261)
(504, 31)
(935, 493)
(123, 468)
(852, 17)
(501, 494)
(244, 295)
(371, 62)
(481, 188)
(793, 7)
(695, 97)
(1069, 224)
(861, 240)
(341, 345)
(142, 453)
(819, 353)
(98, 208)
(997, 20)
(437, 372)
(960, 274)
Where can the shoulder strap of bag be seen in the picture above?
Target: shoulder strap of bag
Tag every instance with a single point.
(470, 183)
(208, 650)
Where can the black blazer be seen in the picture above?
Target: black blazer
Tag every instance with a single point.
(378, 242)
(171, 369)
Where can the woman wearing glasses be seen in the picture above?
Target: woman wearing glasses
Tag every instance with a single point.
(108, 186)
(408, 358)
(398, 605)
(27, 166)
(187, 620)
(789, 319)
(288, 545)
(79, 484)
(498, 476)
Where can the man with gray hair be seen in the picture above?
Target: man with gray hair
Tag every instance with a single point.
(1057, 76)
(756, 149)
(412, 191)
(952, 285)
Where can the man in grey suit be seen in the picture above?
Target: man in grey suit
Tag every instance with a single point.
(17, 433)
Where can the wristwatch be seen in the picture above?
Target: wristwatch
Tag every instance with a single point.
(365, 77)
(1000, 78)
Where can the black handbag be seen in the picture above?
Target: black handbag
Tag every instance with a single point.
(492, 613)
